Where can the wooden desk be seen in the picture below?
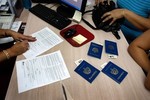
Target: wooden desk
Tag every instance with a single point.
(102, 88)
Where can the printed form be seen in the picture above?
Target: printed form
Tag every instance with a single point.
(46, 39)
(40, 71)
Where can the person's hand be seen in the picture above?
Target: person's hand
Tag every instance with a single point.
(101, 1)
(18, 36)
(18, 48)
(114, 15)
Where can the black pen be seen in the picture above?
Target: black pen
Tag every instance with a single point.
(64, 92)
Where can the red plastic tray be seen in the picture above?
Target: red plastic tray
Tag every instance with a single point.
(79, 30)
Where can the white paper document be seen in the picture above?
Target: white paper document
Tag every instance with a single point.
(40, 71)
(46, 39)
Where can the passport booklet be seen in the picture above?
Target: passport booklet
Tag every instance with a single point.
(114, 72)
(87, 71)
(95, 50)
(111, 47)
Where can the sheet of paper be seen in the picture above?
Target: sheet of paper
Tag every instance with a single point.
(40, 71)
(46, 39)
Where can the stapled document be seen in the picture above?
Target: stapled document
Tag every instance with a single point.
(43, 70)
(46, 39)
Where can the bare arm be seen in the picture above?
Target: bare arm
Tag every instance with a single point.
(19, 47)
(15, 50)
(3, 33)
(7, 33)
(138, 21)
(137, 50)
(15, 35)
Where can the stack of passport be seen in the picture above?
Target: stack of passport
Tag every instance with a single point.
(111, 49)
(95, 50)
(89, 72)
(114, 72)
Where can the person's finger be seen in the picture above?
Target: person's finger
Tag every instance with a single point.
(29, 38)
(107, 18)
(108, 2)
(114, 19)
(106, 14)
(26, 44)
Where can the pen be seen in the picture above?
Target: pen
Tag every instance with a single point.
(64, 92)
(63, 89)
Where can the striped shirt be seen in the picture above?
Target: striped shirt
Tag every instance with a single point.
(140, 7)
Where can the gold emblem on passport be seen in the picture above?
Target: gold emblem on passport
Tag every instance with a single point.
(87, 70)
(114, 71)
(111, 47)
(95, 50)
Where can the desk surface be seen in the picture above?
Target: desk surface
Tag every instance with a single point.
(102, 88)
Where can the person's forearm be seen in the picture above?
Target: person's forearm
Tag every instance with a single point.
(140, 56)
(4, 55)
(138, 21)
(2, 33)
(5, 33)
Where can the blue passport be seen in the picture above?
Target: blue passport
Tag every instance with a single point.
(87, 71)
(114, 72)
(111, 47)
(95, 50)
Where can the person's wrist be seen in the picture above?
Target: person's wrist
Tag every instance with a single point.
(11, 54)
(6, 54)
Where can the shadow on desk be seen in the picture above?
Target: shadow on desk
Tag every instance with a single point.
(6, 69)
